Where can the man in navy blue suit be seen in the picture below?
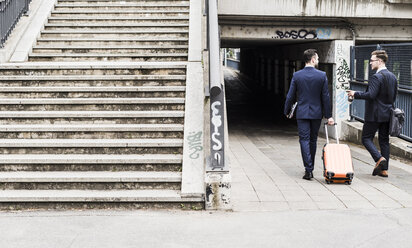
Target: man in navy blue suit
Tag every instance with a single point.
(309, 87)
(379, 96)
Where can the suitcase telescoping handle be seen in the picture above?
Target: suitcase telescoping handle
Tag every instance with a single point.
(326, 132)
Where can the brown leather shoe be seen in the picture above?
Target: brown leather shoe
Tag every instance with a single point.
(379, 165)
(383, 173)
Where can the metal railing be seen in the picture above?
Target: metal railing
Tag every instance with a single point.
(10, 13)
(217, 103)
(399, 63)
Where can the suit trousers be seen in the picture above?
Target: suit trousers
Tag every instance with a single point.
(308, 135)
(368, 133)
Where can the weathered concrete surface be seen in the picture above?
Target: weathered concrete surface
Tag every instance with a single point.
(193, 150)
(357, 228)
(318, 8)
(273, 207)
(300, 21)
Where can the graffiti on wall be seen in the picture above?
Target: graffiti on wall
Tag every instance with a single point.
(195, 144)
(319, 33)
(342, 81)
(217, 133)
(343, 72)
(323, 33)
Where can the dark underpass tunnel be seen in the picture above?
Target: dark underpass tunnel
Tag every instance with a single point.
(256, 84)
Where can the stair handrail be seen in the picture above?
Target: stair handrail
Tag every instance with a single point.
(10, 13)
(217, 103)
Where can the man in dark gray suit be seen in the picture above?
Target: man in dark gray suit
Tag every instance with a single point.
(309, 87)
(380, 95)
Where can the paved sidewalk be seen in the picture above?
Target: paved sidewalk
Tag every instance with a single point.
(273, 207)
(267, 175)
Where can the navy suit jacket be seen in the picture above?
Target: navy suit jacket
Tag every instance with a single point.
(310, 87)
(379, 96)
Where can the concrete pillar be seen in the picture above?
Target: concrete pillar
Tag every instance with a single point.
(276, 77)
(262, 72)
(341, 73)
(218, 186)
(286, 77)
(257, 67)
(269, 74)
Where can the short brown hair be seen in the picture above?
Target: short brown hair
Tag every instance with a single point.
(381, 54)
(308, 54)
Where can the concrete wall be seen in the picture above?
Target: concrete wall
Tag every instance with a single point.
(279, 21)
(317, 8)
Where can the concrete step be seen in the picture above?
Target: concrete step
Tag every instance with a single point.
(107, 50)
(89, 82)
(149, 2)
(92, 176)
(90, 180)
(159, 196)
(97, 127)
(91, 114)
(143, 16)
(124, 4)
(88, 68)
(85, 101)
(90, 159)
(120, 7)
(132, 98)
(92, 146)
(148, 57)
(92, 77)
(93, 27)
(112, 41)
(111, 8)
(92, 104)
(107, 25)
(89, 143)
(114, 35)
(63, 29)
(138, 22)
(89, 117)
(94, 89)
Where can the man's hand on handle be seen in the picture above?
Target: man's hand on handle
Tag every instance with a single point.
(331, 121)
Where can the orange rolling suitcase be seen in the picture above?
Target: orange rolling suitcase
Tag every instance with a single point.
(337, 161)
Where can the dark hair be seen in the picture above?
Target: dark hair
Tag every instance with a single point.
(381, 54)
(308, 54)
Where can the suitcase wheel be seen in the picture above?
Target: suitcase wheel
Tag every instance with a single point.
(349, 182)
(328, 182)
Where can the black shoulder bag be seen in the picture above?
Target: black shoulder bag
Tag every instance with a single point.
(397, 118)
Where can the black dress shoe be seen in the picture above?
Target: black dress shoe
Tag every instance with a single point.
(311, 175)
(307, 175)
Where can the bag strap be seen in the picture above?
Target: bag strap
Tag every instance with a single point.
(385, 81)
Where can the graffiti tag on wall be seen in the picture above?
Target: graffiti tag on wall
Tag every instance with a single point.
(343, 72)
(342, 81)
(319, 33)
(217, 133)
(195, 144)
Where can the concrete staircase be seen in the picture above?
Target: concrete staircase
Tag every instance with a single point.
(95, 117)
(129, 30)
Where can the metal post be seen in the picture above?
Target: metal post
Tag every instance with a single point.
(214, 50)
(217, 103)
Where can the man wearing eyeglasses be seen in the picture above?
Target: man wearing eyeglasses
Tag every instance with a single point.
(379, 96)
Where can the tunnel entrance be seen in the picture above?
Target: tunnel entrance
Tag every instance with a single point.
(257, 80)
